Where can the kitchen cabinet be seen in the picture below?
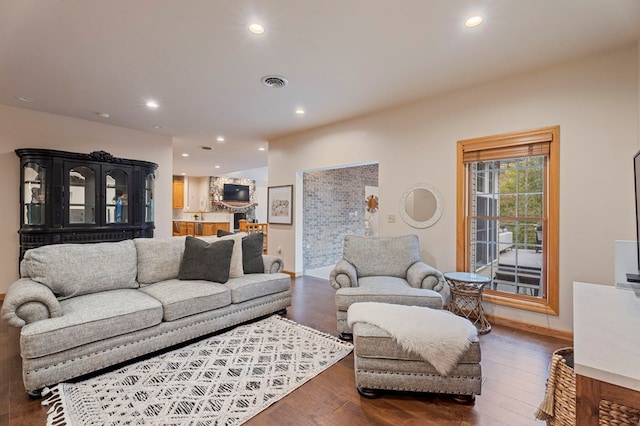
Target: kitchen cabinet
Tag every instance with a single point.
(198, 228)
(68, 197)
(178, 192)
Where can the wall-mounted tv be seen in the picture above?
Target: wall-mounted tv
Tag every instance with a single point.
(634, 277)
(233, 192)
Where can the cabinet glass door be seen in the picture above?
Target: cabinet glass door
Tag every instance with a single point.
(82, 195)
(34, 194)
(149, 182)
(117, 191)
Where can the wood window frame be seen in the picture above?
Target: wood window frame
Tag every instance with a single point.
(504, 146)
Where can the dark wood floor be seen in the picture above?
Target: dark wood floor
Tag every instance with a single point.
(514, 366)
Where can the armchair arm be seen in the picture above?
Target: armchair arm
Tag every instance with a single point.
(28, 301)
(421, 275)
(343, 275)
(272, 263)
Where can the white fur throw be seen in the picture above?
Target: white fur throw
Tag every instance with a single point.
(436, 336)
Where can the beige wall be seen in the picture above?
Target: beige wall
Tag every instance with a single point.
(595, 102)
(22, 128)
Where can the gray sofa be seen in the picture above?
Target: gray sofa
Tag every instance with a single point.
(84, 307)
(387, 270)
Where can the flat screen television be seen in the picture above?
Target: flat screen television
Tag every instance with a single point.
(233, 192)
(635, 277)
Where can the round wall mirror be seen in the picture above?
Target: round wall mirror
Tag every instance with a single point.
(421, 205)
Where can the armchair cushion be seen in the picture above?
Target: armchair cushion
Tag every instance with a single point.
(387, 290)
(391, 256)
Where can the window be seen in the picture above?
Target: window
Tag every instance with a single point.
(507, 216)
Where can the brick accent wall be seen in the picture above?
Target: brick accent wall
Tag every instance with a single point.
(333, 206)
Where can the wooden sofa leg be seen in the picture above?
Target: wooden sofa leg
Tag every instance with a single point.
(369, 393)
(465, 399)
(35, 394)
(346, 336)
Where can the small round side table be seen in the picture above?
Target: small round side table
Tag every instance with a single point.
(466, 297)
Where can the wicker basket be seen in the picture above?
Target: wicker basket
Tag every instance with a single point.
(611, 414)
(559, 405)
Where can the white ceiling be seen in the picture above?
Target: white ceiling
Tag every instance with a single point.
(343, 58)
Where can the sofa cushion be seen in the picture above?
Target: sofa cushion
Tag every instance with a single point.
(257, 285)
(390, 256)
(71, 270)
(387, 290)
(236, 269)
(90, 318)
(158, 258)
(252, 262)
(183, 298)
(206, 261)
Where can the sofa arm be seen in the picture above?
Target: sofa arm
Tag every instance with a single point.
(421, 275)
(28, 301)
(343, 275)
(272, 263)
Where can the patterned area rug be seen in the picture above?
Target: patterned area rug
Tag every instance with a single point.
(222, 380)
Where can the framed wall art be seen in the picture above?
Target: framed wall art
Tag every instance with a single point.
(280, 204)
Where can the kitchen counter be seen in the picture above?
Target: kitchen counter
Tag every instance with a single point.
(198, 227)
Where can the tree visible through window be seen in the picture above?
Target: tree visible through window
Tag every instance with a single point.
(508, 216)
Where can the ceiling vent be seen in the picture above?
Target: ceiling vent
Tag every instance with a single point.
(274, 81)
(206, 148)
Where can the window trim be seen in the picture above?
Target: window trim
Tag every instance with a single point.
(504, 143)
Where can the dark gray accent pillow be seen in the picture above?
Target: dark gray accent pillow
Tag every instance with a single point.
(252, 253)
(204, 261)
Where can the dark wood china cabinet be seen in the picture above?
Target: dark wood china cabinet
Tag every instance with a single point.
(68, 197)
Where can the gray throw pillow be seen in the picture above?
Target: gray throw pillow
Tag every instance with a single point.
(252, 253)
(204, 261)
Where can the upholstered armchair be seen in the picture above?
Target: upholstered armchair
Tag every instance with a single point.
(387, 270)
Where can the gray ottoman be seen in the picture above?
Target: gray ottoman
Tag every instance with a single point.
(382, 364)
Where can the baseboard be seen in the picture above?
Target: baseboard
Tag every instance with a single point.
(531, 328)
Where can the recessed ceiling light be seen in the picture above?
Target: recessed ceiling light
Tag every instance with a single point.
(185, 154)
(256, 28)
(261, 148)
(102, 114)
(217, 167)
(473, 21)
(300, 111)
(24, 99)
(158, 127)
(183, 174)
(220, 139)
(152, 104)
